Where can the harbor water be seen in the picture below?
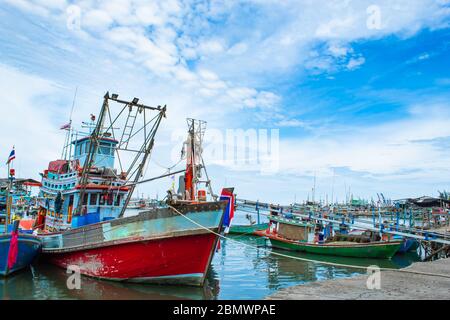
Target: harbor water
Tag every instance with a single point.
(243, 268)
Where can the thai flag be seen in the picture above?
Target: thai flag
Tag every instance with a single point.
(228, 195)
(12, 156)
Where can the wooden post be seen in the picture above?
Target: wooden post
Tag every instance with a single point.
(257, 211)
(8, 202)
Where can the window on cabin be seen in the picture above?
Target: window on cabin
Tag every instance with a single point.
(102, 200)
(118, 200)
(93, 201)
(110, 199)
(87, 145)
(78, 149)
(85, 198)
(105, 148)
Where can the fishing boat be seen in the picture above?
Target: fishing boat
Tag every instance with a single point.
(248, 229)
(84, 201)
(137, 204)
(252, 227)
(17, 249)
(303, 236)
(407, 244)
(159, 246)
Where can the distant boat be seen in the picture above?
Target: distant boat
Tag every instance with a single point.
(28, 247)
(248, 229)
(17, 249)
(137, 204)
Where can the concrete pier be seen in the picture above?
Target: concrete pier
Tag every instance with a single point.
(394, 286)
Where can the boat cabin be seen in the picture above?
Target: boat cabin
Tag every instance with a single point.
(60, 194)
(104, 156)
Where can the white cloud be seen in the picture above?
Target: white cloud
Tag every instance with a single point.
(52, 4)
(97, 20)
(339, 51)
(238, 49)
(290, 123)
(25, 125)
(162, 35)
(381, 150)
(210, 59)
(355, 63)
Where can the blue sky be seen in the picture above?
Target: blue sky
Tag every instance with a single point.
(365, 110)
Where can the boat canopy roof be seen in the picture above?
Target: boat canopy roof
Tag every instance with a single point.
(103, 139)
(61, 166)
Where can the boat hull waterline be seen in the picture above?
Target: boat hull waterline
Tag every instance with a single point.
(157, 247)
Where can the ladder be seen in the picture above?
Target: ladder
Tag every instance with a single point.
(129, 127)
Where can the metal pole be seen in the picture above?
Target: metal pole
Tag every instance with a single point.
(373, 216)
(93, 146)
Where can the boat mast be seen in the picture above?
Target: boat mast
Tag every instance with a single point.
(194, 160)
(93, 147)
(67, 150)
(190, 163)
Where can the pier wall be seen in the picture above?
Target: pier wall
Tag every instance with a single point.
(393, 286)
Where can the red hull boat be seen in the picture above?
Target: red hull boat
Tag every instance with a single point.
(183, 260)
(84, 200)
(159, 246)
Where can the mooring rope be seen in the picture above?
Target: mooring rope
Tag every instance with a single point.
(304, 259)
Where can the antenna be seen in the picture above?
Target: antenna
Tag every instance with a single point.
(314, 188)
(73, 104)
(332, 186)
(68, 145)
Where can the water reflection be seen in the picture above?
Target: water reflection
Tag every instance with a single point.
(237, 272)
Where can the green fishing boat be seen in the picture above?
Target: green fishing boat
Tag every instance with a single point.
(382, 250)
(304, 236)
(248, 229)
